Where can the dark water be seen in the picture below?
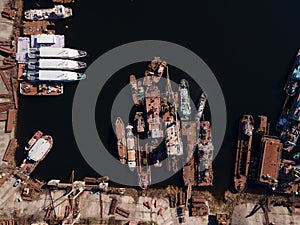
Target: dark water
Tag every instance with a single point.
(249, 46)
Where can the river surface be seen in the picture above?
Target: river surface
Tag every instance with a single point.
(249, 47)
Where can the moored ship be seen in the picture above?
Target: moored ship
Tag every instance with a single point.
(131, 148)
(54, 76)
(143, 170)
(121, 140)
(40, 149)
(37, 135)
(201, 107)
(153, 109)
(57, 12)
(204, 155)
(134, 89)
(61, 64)
(185, 106)
(55, 52)
(243, 152)
(41, 89)
(139, 122)
(36, 154)
(173, 139)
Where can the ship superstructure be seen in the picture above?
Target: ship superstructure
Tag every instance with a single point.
(57, 12)
(54, 76)
(62, 64)
(55, 52)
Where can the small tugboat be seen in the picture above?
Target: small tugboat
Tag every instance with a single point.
(38, 89)
(131, 149)
(185, 106)
(158, 74)
(248, 125)
(153, 65)
(121, 140)
(141, 92)
(134, 89)
(33, 139)
(243, 153)
(139, 122)
(201, 107)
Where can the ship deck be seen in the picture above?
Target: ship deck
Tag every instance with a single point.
(271, 154)
(58, 41)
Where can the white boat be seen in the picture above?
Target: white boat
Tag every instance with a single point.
(131, 148)
(53, 52)
(40, 149)
(57, 12)
(54, 75)
(63, 64)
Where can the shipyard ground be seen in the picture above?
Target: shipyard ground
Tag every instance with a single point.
(6, 26)
(89, 207)
(6, 29)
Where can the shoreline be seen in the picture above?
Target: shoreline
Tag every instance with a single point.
(226, 205)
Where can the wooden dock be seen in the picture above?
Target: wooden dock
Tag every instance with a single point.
(5, 106)
(3, 116)
(5, 81)
(10, 120)
(14, 93)
(8, 155)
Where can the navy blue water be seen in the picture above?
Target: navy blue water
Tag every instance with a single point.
(249, 47)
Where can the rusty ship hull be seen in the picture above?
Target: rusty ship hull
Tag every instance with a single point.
(139, 122)
(153, 109)
(121, 140)
(243, 153)
(41, 89)
(134, 89)
(204, 155)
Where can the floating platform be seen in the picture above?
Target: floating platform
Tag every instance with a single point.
(270, 159)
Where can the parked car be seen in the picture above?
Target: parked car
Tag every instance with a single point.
(17, 182)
